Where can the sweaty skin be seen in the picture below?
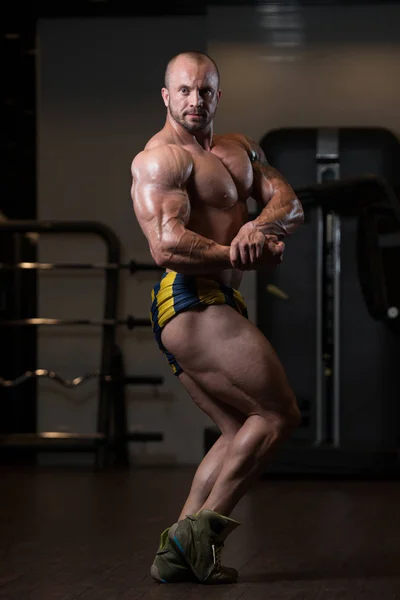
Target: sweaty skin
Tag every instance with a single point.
(190, 189)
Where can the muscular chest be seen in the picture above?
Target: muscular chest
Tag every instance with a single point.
(221, 178)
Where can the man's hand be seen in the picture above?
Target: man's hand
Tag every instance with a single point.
(251, 248)
(247, 246)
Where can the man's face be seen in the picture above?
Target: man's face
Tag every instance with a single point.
(193, 95)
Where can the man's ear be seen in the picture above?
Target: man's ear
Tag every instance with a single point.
(165, 96)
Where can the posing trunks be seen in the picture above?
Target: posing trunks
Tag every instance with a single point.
(176, 293)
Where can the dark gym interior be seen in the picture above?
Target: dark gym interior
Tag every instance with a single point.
(98, 441)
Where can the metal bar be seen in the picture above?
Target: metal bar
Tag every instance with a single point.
(45, 266)
(140, 380)
(143, 436)
(53, 435)
(54, 442)
(130, 322)
(319, 388)
(76, 442)
(336, 329)
(105, 423)
(38, 373)
(344, 194)
(328, 170)
(51, 227)
(332, 187)
(73, 383)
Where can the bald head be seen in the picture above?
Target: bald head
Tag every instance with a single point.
(192, 56)
(191, 93)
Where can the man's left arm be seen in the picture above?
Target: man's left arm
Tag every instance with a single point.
(281, 210)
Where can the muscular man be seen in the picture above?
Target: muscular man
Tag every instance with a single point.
(189, 192)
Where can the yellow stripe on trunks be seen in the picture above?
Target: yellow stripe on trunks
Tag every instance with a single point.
(209, 291)
(165, 299)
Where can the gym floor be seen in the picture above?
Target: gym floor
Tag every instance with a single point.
(67, 534)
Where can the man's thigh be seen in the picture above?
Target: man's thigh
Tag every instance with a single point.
(228, 357)
(227, 418)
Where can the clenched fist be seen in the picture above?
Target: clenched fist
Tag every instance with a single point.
(252, 248)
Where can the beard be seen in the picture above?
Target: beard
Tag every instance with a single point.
(189, 125)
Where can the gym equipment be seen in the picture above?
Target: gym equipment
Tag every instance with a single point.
(377, 209)
(330, 346)
(109, 443)
(130, 322)
(74, 383)
(132, 266)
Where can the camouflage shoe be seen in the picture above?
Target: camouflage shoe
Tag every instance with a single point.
(169, 566)
(199, 539)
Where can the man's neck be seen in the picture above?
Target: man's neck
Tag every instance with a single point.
(202, 137)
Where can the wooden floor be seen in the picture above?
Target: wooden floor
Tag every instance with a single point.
(68, 534)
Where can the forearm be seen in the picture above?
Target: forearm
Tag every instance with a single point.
(191, 253)
(280, 217)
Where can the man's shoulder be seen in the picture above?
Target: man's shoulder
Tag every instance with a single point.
(252, 149)
(158, 139)
(161, 152)
(164, 163)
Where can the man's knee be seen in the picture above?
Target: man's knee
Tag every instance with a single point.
(292, 412)
(229, 430)
(281, 417)
(287, 416)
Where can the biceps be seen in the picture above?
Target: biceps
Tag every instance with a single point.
(268, 182)
(262, 186)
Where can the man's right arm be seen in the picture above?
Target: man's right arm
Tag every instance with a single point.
(162, 208)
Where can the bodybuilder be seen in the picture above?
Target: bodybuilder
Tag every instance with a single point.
(190, 189)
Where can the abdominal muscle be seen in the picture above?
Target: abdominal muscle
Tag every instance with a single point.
(220, 226)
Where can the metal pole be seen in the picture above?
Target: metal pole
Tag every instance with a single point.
(328, 297)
